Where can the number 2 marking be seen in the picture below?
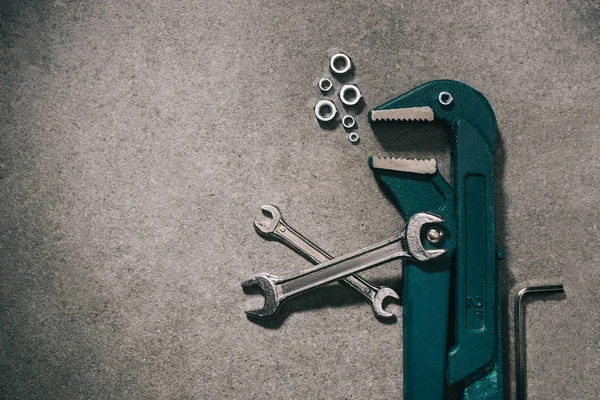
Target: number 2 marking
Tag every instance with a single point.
(477, 303)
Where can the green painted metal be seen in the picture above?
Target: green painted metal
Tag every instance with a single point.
(425, 285)
(475, 357)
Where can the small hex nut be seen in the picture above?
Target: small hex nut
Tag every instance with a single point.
(445, 98)
(350, 95)
(325, 111)
(435, 235)
(340, 64)
(325, 85)
(348, 121)
(353, 137)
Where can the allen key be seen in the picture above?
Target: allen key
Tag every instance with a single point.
(520, 361)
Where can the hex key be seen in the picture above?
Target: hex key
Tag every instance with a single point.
(520, 361)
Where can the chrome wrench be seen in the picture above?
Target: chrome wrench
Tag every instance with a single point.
(277, 228)
(407, 245)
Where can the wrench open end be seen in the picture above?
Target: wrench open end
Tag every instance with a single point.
(267, 286)
(381, 296)
(414, 230)
(266, 227)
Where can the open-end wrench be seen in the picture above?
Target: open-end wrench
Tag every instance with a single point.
(276, 228)
(407, 244)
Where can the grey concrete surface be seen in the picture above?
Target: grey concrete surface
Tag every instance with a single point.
(139, 139)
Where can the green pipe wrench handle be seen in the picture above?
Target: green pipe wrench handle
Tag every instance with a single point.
(425, 285)
(475, 357)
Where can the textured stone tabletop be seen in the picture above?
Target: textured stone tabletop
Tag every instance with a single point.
(138, 140)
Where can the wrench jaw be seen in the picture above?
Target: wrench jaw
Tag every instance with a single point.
(414, 237)
(267, 227)
(381, 296)
(442, 100)
(266, 283)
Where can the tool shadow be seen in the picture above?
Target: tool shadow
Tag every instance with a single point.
(334, 295)
(507, 278)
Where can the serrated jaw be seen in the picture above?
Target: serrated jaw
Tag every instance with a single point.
(403, 114)
(415, 166)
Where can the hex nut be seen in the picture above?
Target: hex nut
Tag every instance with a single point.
(350, 95)
(445, 98)
(325, 110)
(348, 121)
(353, 137)
(435, 235)
(325, 85)
(340, 64)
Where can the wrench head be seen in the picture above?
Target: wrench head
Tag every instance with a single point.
(414, 235)
(383, 294)
(426, 103)
(267, 227)
(266, 283)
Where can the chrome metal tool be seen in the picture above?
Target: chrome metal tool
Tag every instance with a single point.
(276, 228)
(520, 361)
(406, 245)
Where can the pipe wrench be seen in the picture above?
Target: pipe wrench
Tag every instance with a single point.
(469, 357)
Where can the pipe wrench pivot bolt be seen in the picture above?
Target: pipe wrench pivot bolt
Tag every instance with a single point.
(474, 359)
(406, 245)
(276, 228)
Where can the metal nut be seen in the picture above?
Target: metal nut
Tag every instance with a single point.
(325, 111)
(340, 63)
(445, 98)
(353, 137)
(350, 95)
(348, 121)
(325, 85)
(435, 235)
